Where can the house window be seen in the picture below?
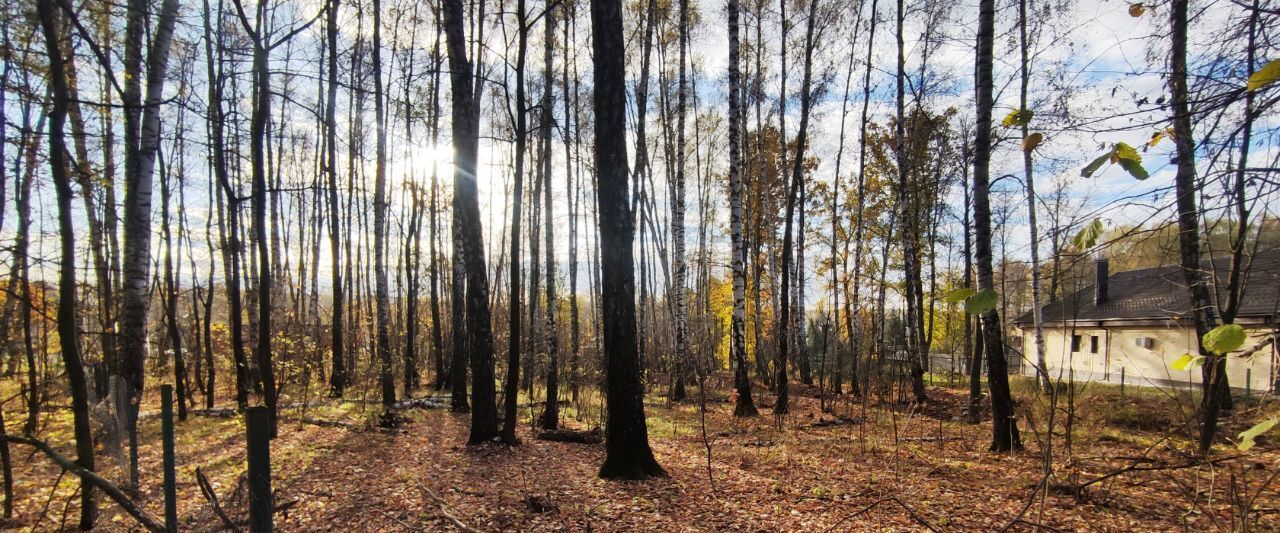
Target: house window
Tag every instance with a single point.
(1093, 344)
(1075, 343)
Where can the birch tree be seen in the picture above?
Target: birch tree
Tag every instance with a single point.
(744, 406)
(142, 140)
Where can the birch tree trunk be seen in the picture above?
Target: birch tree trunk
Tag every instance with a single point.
(744, 405)
(910, 253)
(257, 149)
(142, 139)
(381, 290)
(437, 337)
(1028, 180)
(572, 193)
(228, 223)
(677, 214)
(551, 413)
(855, 303)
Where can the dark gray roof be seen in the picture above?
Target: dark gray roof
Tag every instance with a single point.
(1161, 293)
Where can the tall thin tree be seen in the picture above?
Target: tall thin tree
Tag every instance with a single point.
(338, 372)
(142, 141)
(1184, 181)
(551, 411)
(743, 405)
(1004, 427)
(68, 334)
(785, 324)
(511, 389)
(466, 132)
(381, 290)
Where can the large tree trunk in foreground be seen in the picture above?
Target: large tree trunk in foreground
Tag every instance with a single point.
(466, 131)
(1004, 436)
(627, 452)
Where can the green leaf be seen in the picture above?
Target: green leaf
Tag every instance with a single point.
(1187, 362)
(1265, 76)
(1224, 338)
(1092, 167)
(1124, 152)
(1089, 235)
(1247, 436)
(958, 295)
(1135, 169)
(985, 300)
(1017, 117)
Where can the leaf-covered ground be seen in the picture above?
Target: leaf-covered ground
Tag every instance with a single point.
(864, 466)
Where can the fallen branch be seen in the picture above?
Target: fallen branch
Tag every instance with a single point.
(567, 435)
(107, 487)
(285, 506)
(1035, 526)
(402, 523)
(444, 510)
(929, 439)
(206, 488)
(215, 413)
(338, 424)
(1136, 467)
(328, 423)
(423, 403)
(841, 421)
(911, 512)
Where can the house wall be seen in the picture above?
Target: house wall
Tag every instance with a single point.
(1117, 349)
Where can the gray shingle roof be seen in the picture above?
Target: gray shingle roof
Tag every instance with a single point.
(1161, 293)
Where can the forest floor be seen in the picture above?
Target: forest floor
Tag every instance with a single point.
(864, 466)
